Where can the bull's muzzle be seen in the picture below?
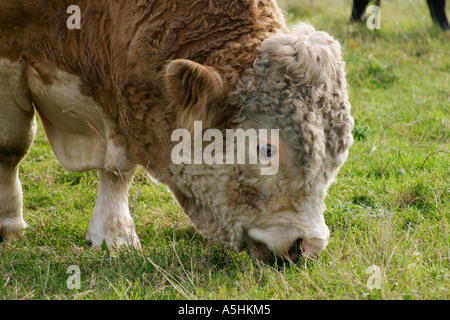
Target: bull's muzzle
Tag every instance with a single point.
(308, 248)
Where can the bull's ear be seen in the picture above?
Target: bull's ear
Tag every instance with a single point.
(195, 88)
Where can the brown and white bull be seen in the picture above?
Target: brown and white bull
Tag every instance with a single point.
(111, 93)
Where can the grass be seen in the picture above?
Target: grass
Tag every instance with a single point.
(389, 207)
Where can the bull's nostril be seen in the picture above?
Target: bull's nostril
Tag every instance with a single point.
(295, 251)
(270, 256)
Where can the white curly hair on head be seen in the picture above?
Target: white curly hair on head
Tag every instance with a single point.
(307, 55)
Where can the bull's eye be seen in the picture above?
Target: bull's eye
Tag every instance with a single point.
(266, 151)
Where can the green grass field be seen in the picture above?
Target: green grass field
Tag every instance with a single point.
(388, 212)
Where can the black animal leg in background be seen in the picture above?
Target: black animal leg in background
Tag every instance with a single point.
(437, 11)
(359, 6)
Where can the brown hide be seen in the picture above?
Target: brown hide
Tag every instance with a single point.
(123, 46)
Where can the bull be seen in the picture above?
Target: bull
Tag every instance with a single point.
(111, 93)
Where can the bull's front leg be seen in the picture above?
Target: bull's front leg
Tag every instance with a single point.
(17, 131)
(11, 215)
(111, 221)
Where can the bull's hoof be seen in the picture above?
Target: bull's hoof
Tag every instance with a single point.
(12, 236)
(12, 231)
(113, 243)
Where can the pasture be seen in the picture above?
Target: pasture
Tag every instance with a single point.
(388, 212)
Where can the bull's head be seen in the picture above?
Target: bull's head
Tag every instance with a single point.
(296, 85)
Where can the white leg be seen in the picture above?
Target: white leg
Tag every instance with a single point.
(111, 221)
(17, 131)
(11, 213)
